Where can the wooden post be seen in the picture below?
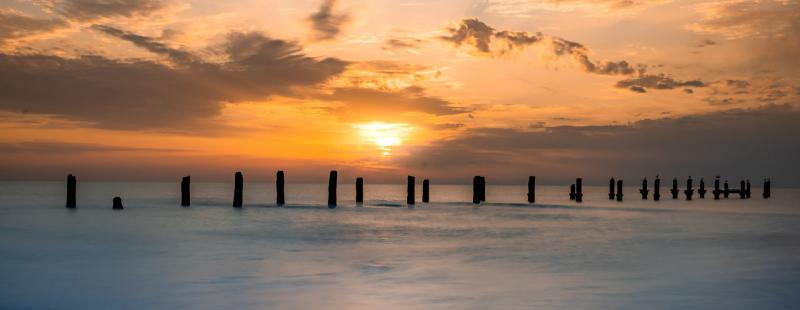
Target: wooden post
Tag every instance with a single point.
(716, 191)
(425, 191)
(767, 189)
(611, 189)
(185, 195)
(619, 190)
(410, 197)
(579, 190)
(726, 190)
(742, 192)
(238, 186)
(359, 190)
(572, 192)
(674, 189)
(280, 197)
(531, 189)
(483, 189)
(476, 197)
(332, 189)
(702, 190)
(657, 189)
(117, 204)
(748, 189)
(72, 186)
(689, 191)
(644, 191)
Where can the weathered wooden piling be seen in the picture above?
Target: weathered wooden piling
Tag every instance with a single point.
(531, 189)
(572, 192)
(483, 189)
(716, 191)
(411, 195)
(644, 191)
(476, 192)
(579, 190)
(748, 189)
(185, 194)
(657, 189)
(767, 190)
(72, 186)
(742, 190)
(426, 191)
(238, 187)
(689, 192)
(359, 190)
(332, 189)
(674, 191)
(702, 190)
(117, 204)
(611, 189)
(726, 189)
(280, 194)
(619, 190)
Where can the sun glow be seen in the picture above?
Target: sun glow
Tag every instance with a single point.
(384, 135)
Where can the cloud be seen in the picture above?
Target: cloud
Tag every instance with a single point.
(487, 41)
(742, 143)
(402, 43)
(141, 95)
(383, 104)
(656, 81)
(325, 24)
(90, 10)
(526, 8)
(741, 19)
(16, 25)
(55, 148)
(706, 42)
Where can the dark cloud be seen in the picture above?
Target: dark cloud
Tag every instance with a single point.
(488, 41)
(402, 43)
(722, 102)
(387, 104)
(90, 10)
(55, 148)
(656, 81)
(742, 143)
(706, 42)
(139, 94)
(325, 24)
(15, 25)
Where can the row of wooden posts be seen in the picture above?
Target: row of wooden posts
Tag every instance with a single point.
(478, 190)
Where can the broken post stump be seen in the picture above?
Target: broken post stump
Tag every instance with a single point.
(644, 191)
(185, 195)
(411, 195)
(716, 191)
(767, 190)
(238, 186)
(117, 204)
(619, 190)
(572, 192)
(689, 192)
(280, 195)
(702, 190)
(476, 195)
(748, 189)
(72, 186)
(531, 189)
(359, 190)
(611, 189)
(674, 189)
(726, 190)
(332, 189)
(579, 190)
(426, 191)
(657, 189)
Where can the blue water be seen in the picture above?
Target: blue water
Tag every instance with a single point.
(449, 254)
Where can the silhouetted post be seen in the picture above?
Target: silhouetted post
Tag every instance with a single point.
(117, 204)
(483, 189)
(238, 185)
(726, 190)
(619, 190)
(748, 189)
(185, 196)
(359, 190)
(579, 190)
(611, 189)
(332, 189)
(572, 192)
(644, 191)
(674, 189)
(657, 189)
(702, 190)
(411, 195)
(767, 189)
(280, 196)
(426, 190)
(716, 188)
(531, 189)
(689, 191)
(72, 186)
(476, 195)
(742, 191)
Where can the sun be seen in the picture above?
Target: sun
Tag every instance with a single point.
(384, 135)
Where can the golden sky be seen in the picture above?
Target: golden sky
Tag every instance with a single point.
(153, 90)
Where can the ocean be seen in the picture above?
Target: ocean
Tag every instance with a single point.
(447, 254)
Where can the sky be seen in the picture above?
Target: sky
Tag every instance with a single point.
(157, 89)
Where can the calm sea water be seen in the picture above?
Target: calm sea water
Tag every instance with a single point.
(449, 254)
